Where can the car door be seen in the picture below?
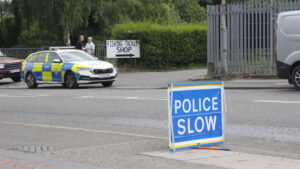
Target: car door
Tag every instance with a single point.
(47, 76)
(28, 67)
(56, 71)
(38, 66)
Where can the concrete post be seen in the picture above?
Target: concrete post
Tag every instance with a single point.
(224, 47)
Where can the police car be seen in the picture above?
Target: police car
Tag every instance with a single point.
(69, 67)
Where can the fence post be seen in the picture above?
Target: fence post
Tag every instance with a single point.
(210, 63)
(271, 35)
(224, 40)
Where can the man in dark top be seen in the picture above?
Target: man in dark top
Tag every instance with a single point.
(80, 44)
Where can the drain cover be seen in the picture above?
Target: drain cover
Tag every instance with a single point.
(34, 148)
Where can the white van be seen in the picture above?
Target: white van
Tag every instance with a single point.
(288, 47)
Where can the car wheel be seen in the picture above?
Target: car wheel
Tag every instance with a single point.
(16, 78)
(107, 84)
(31, 82)
(296, 77)
(70, 80)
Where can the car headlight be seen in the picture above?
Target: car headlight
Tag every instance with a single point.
(84, 69)
(2, 66)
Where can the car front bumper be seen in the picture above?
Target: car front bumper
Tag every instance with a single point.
(5, 73)
(85, 79)
(283, 70)
(88, 77)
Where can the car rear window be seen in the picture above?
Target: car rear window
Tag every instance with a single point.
(52, 56)
(41, 57)
(31, 58)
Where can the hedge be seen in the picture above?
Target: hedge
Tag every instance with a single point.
(165, 46)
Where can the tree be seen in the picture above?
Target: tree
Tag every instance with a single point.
(204, 3)
(190, 11)
(9, 30)
(213, 2)
(4, 13)
(105, 14)
(53, 15)
(61, 21)
(70, 14)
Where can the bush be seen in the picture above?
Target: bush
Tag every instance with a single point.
(165, 46)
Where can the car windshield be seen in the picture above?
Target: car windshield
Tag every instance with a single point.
(73, 56)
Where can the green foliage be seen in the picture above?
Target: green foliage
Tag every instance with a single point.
(59, 17)
(9, 32)
(106, 13)
(213, 2)
(204, 3)
(64, 20)
(6, 23)
(37, 37)
(165, 47)
(190, 11)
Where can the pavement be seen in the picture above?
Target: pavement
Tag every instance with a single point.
(17, 160)
(230, 159)
(258, 84)
(126, 126)
(160, 80)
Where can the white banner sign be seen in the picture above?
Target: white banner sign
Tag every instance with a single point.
(123, 49)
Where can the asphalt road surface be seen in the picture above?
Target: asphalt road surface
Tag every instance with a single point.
(121, 126)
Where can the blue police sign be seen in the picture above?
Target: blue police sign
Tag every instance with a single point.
(196, 114)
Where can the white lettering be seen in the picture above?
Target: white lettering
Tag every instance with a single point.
(214, 103)
(204, 102)
(177, 105)
(196, 124)
(200, 105)
(191, 105)
(211, 122)
(184, 105)
(194, 109)
(181, 126)
(189, 127)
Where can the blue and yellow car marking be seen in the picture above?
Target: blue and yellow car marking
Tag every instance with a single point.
(49, 72)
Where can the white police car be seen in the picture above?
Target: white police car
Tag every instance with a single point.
(69, 67)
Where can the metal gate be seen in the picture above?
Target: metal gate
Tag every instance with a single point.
(251, 33)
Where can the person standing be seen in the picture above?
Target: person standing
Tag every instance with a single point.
(80, 43)
(90, 46)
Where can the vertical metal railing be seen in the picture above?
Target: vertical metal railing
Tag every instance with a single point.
(100, 51)
(22, 53)
(19, 53)
(251, 32)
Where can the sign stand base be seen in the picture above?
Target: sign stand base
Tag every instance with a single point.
(213, 148)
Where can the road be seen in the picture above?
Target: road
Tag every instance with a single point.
(126, 126)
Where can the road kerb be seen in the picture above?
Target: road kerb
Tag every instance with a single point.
(229, 159)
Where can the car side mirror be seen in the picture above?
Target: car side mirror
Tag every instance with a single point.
(56, 61)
